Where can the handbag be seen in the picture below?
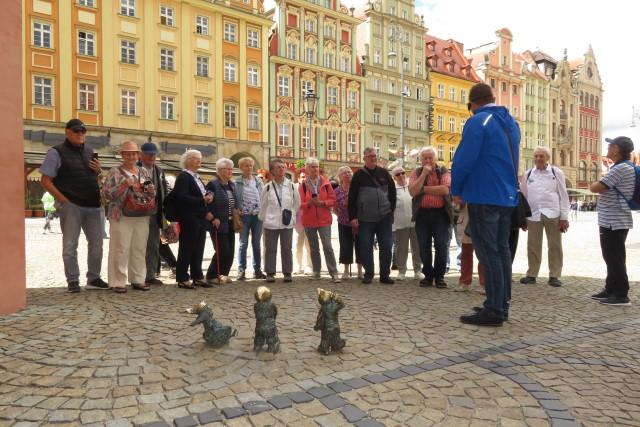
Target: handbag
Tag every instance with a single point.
(522, 210)
(286, 213)
(170, 234)
(137, 203)
(237, 220)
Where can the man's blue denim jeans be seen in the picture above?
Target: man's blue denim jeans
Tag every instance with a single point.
(432, 225)
(490, 226)
(250, 223)
(382, 230)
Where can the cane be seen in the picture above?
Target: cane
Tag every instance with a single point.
(217, 256)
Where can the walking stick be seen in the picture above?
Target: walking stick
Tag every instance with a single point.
(217, 256)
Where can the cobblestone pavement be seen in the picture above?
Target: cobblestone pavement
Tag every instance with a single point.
(132, 359)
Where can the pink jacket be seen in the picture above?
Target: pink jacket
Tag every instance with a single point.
(317, 216)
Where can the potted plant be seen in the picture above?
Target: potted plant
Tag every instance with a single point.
(38, 210)
(28, 210)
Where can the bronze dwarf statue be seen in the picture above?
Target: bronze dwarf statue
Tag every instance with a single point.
(215, 333)
(266, 329)
(327, 322)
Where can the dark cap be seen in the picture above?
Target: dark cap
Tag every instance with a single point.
(479, 91)
(75, 123)
(149, 148)
(624, 143)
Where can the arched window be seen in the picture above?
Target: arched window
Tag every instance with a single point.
(597, 103)
(591, 101)
(581, 98)
(562, 159)
(582, 173)
(594, 172)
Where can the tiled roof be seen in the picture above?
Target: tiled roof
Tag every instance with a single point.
(456, 58)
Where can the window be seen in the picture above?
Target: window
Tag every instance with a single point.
(434, 62)
(202, 25)
(452, 94)
(254, 119)
(504, 86)
(515, 89)
(515, 111)
(311, 56)
(292, 51)
(229, 72)
(376, 57)
(392, 10)
(305, 137)
(283, 86)
(452, 152)
(404, 14)
(202, 66)
(418, 67)
(332, 96)
(328, 60)
(377, 85)
(229, 32)
(41, 35)
(166, 59)
(128, 7)
(352, 143)
(419, 94)
(166, 16)
(329, 31)
(89, 3)
(452, 124)
(582, 172)
(128, 102)
(392, 88)
(310, 26)
(42, 91)
(253, 38)
(253, 76)
(406, 120)
(230, 116)
(346, 65)
(167, 107)
(462, 123)
(440, 90)
(392, 117)
(127, 52)
(440, 152)
(332, 140)
(283, 135)
(202, 112)
(504, 60)
(463, 96)
(87, 95)
(376, 114)
(419, 119)
(306, 87)
(86, 43)
(441, 123)
(352, 99)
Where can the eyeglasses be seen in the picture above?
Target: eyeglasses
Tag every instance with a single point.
(400, 173)
(371, 156)
(79, 130)
(225, 169)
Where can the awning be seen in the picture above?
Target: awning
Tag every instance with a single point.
(581, 191)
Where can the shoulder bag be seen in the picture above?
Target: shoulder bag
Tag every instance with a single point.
(137, 203)
(522, 209)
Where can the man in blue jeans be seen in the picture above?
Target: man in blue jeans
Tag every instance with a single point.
(484, 174)
(372, 200)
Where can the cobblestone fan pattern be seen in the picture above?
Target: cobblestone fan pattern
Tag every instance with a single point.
(107, 359)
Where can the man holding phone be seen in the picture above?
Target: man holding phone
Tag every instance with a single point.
(70, 174)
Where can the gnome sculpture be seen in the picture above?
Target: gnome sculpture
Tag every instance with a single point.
(215, 333)
(266, 329)
(327, 323)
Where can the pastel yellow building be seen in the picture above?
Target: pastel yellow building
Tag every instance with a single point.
(451, 79)
(180, 73)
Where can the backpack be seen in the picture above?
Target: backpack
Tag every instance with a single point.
(634, 201)
(170, 208)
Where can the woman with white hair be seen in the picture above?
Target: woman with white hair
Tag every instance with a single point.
(347, 238)
(192, 200)
(221, 226)
(404, 230)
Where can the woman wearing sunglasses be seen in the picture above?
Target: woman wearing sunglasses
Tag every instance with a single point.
(404, 230)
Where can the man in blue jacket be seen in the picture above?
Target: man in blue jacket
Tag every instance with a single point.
(484, 174)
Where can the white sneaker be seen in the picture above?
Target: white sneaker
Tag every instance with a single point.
(400, 276)
(462, 288)
(417, 275)
(315, 275)
(346, 276)
(335, 279)
(308, 271)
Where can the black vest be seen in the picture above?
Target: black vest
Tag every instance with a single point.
(75, 179)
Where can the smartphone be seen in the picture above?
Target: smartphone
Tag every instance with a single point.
(314, 195)
(146, 185)
(94, 156)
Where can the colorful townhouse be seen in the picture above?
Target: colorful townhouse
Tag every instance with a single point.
(313, 58)
(180, 73)
(451, 79)
(391, 46)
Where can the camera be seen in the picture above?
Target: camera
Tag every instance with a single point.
(314, 195)
(146, 185)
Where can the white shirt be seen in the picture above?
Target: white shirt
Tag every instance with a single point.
(402, 214)
(546, 193)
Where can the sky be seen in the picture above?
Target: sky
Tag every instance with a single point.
(552, 26)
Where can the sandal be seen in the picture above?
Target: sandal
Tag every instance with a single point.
(202, 283)
(120, 290)
(185, 285)
(140, 287)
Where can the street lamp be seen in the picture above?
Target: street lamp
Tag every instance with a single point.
(310, 101)
(397, 37)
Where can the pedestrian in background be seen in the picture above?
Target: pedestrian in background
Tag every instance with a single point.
(404, 230)
(466, 259)
(70, 173)
(546, 191)
(48, 202)
(303, 252)
(347, 238)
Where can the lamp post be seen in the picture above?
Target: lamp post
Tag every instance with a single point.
(310, 101)
(396, 37)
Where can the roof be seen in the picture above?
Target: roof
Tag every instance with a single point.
(449, 52)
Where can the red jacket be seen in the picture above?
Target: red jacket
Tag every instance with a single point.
(317, 216)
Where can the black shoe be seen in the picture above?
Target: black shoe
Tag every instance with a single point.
(97, 284)
(601, 295)
(528, 280)
(259, 275)
(288, 278)
(241, 277)
(614, 300)
(484, 318)
(73, 287)
(367, 280)
(441, 284)
(154, 282)
(426, 282)
(555, 282)
(446, 270)
(387, 280)
(271, 278)
(479, 309)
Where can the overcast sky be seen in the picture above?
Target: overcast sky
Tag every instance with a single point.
(610, 27)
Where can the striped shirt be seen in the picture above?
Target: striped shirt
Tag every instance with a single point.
(432, 201)
(613, 211)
